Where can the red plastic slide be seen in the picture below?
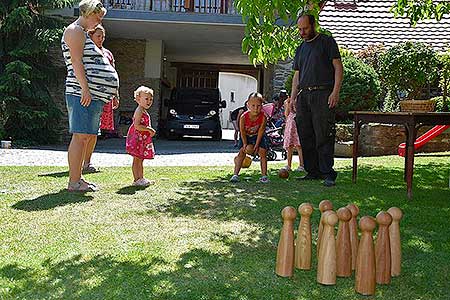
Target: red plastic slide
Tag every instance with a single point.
(424, 138)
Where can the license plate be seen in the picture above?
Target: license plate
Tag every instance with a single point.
(191, 126)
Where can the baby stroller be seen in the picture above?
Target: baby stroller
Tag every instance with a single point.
(274, 135)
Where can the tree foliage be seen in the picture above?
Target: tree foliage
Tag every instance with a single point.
(444, 74)
(26, 32)
(420, 10)
(271, 33)
(409, 67)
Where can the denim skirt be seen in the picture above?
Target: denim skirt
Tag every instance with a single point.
(83, 119)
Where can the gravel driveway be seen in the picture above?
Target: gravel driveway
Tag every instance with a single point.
(111, 152)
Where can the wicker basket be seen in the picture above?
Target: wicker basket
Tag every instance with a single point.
(417, 105)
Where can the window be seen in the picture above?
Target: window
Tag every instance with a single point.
(232, 96)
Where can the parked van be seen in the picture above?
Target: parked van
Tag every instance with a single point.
(193, 111)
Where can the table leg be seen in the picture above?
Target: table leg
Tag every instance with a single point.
(410, 159)
(407, 129)
(355, 147)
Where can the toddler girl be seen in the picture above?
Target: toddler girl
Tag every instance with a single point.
(291, 140)
(139, 142)
(252, 126)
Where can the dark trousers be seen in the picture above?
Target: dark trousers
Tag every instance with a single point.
(317, 132)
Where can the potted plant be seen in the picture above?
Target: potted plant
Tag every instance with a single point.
(407, 69)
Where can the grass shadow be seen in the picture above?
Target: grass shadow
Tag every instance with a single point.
(130, 190)
(49, 201)
(55, 175)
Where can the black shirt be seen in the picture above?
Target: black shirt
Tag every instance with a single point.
(314, 61)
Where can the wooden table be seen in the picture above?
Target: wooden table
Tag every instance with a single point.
(412, 122)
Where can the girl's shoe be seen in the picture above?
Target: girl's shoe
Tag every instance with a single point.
(143, 182)
(81, 186)
(287, 168)
(234, 178)
(300, 169)
(264, 179)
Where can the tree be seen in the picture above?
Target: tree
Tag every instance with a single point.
(271, 33)
(26, 32)
(420, 10)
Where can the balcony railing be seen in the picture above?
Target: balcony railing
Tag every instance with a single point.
(196, 6)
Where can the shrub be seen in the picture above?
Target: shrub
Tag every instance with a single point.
(28, 112)
(441, 104)
(444, 77)
(371, 56)
(390, 102)
(346, 52)
(409, 67)
(360, 88)
(31, 115)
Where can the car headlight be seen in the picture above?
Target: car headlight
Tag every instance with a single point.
(212, 113)
(173, 112)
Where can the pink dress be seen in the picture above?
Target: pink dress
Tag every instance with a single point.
(107, 117)
(290, 132)
(139, 143)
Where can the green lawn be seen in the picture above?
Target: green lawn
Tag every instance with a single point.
(194, 235)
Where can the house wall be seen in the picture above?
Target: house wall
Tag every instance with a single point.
(138, 62)
(241, 85)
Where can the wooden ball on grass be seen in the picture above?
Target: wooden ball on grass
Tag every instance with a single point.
(283, 173)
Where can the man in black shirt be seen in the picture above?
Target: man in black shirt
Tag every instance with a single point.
(317, 81)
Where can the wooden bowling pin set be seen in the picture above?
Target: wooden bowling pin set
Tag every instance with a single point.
(340, 255)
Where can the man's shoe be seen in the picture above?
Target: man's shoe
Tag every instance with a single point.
(310, 177)
(328, 182)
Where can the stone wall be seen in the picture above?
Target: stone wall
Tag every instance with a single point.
(382, 139)
(281, 71)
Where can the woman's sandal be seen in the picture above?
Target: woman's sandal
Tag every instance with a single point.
(81, 186)
(89, 183)
(90, 169)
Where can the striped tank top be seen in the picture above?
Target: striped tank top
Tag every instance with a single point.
(102, 78)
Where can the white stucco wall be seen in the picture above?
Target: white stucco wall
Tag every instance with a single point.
(241, 86)
(154, 50)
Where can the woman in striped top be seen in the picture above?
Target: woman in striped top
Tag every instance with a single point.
(107, 119)
(91, 82)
